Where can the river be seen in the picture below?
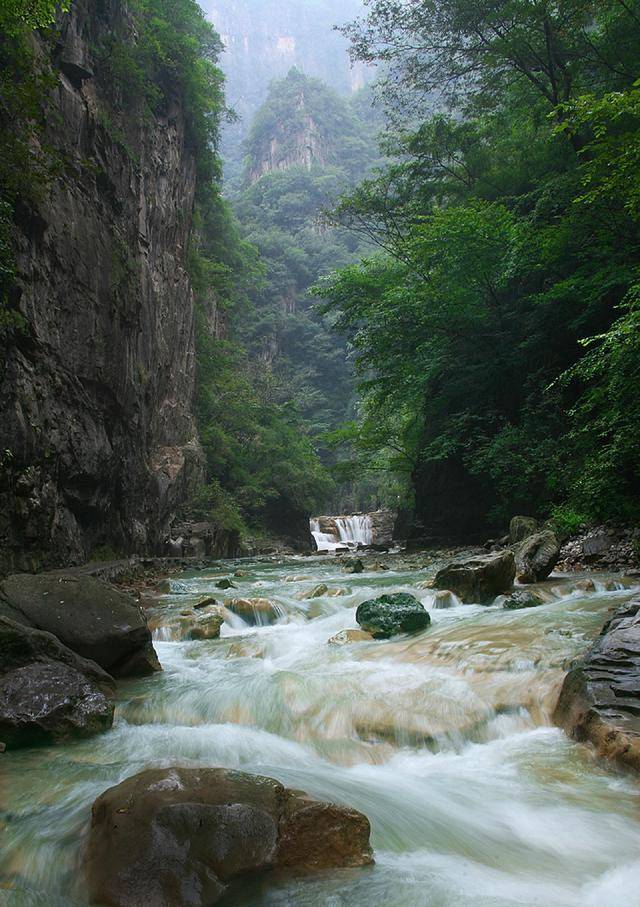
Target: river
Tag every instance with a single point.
(443, 740)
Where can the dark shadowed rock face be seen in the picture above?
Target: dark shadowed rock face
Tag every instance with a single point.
(95, 398)
(478, 580)
(600, 698)
(47, 692)
(537, 556)
(391, 614)
(88, 616)
(177, 837)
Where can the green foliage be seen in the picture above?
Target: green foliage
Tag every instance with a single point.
(16, 16)
(496, 333)
(566, 521)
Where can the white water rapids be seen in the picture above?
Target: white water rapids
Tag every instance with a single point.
(442, 739)
(352, 531)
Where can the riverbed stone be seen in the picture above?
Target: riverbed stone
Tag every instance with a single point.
(181, 836)
(257, 611)
(353, 566)
(225, 584)
(600, 697)
(204, 626)
(537, 556)
(90, 617)
(478, 580)
(391, 614)
(345, 637)
(522, 598)
(47, 692)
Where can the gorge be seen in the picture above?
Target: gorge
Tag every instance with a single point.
(319, 474)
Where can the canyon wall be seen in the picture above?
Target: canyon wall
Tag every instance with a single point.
(99, 445)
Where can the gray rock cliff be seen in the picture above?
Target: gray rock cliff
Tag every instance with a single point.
(98, 438)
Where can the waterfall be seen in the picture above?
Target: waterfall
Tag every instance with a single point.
(352, 531)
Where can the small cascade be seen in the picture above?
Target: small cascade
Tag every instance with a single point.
(355, 530)
(350, 531)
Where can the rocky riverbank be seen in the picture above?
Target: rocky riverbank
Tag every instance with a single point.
(600, 698)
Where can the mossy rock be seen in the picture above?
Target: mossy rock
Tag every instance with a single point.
(391, 614)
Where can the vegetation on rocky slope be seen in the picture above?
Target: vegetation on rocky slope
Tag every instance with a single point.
(496, 329)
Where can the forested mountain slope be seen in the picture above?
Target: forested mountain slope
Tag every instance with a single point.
(497, 329)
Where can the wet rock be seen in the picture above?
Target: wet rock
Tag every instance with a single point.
(391, 614)
(444, 598)
(254, 610)
(378, 567)
(520, 528)
(585, 585)
(478, 580)
(337, 592)
(317, 592)
(206, 603)
(205, 626)
(47, 692)
(88, 616)
(522, 598)
(537, 556)
(600, 697)
(225, 584)
(344, 637)
(353, 566)
(179, 836)
(296, 579)
(246, 649)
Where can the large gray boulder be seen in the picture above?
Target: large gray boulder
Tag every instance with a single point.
(88, 616)
(537, 556)
(177, 837)
(478, 580)
(391, 614)
(600, 697)
(47, 692)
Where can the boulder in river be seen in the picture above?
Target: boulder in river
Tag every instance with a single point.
(178, 836)
(537, 556)
(600, 697)
(258, 611)
(478, 580)
(204, 626)
(47, 692)
(391, 614)
(522, 598)
(353, 566)
(88, 616)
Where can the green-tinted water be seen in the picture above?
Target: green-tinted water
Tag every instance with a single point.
(442, 739)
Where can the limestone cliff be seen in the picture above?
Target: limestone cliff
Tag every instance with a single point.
(99, 445)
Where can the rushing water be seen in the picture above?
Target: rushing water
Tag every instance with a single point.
(442, 739)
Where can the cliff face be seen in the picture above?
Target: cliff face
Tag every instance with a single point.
(98, 442)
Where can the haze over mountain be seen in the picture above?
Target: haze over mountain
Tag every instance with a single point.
(265, 38)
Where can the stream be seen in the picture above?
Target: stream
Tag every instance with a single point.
(443, 739)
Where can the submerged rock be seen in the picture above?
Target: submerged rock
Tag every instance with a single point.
(444, 598)
(344, 637)
(47, 692)
(225, 584)
(254, 610)
(353, 566)
(392, 614)
(537, 556)
(88, 616)
(600, 697)
(522, 598)
(478, 580)
(180, 836)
